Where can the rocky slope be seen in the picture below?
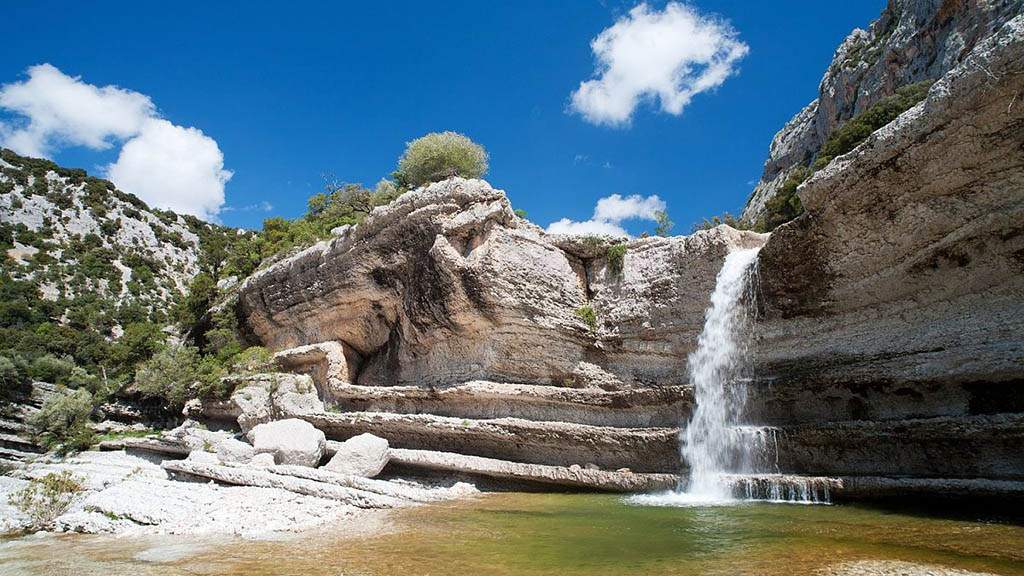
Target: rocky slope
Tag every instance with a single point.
(73, 235)
(912, 41)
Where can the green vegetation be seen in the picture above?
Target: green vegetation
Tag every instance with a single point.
(587, 315)
(664, 224)
(858, 128)
(46, 498)
(62, 420)
(616, 255)
(785, 205)
(520, 212)
(439, 156)
(724, 218)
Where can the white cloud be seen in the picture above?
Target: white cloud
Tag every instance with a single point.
(671, 55)
(174, 168)
(586, 228)
(261, 206)
(166, 165)
(61, 110)
(617, 208)
(609, 212)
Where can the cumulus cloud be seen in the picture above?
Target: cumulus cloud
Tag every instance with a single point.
(669, 55)
(166, 165)
(609, 213)
(180, 169)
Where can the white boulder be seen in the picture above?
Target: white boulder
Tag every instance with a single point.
(292, 441)
(363, 455)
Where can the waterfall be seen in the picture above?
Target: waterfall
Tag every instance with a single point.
(728, 459)
(712, 443)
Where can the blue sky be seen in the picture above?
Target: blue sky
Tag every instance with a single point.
(290, 91)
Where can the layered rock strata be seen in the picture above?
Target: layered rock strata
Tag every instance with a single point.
(890, 342)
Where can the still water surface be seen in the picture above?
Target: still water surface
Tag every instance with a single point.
(561, 534)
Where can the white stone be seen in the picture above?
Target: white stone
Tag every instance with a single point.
(292, 441)
(363, 455)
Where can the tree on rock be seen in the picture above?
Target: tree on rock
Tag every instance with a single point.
(438, 156)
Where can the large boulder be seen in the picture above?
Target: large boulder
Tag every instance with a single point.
(362, 455)
(292, 441)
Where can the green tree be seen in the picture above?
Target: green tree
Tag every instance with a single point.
(63, 419)
(438, 156)
(171, 375)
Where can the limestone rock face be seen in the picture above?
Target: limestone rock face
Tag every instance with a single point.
(911, 41)
(363, 455)
(892, 310)
(446, 285)
(291, 441)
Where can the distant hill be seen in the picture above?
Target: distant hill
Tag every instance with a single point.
(83, 261)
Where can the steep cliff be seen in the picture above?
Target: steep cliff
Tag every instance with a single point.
(912, 41)
(893, 309)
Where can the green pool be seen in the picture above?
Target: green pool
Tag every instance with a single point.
(563, 534)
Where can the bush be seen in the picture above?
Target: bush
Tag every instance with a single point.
(63, 419)
(588, 316)
(785, 205)
(49, 368)
(171, 375)
(664, 224)
(520, 213)
(438, 156)
(44, 499)
(616, 255)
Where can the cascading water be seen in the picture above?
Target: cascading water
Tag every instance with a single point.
(727, 458)
(712, 443)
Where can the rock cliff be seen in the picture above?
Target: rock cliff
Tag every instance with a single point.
(890, 341)
(912, 41)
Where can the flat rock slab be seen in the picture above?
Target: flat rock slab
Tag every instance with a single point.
(557, 475)
(264, 478)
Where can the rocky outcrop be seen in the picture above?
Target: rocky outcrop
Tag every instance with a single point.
(446, 285)
(890, 336)
(445, 323)
(887, 344)
(910, 42)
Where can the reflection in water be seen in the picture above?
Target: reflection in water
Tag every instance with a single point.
(567, 535)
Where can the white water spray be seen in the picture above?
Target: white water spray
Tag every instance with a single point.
(727, 458)
(713, 444)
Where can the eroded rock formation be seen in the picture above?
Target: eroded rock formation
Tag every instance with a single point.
(910, 42)
(887, 349)
(894, 308)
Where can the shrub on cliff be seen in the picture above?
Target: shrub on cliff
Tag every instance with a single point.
(785, 205)
(616, 255)
(438, 156)
(858, 128)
